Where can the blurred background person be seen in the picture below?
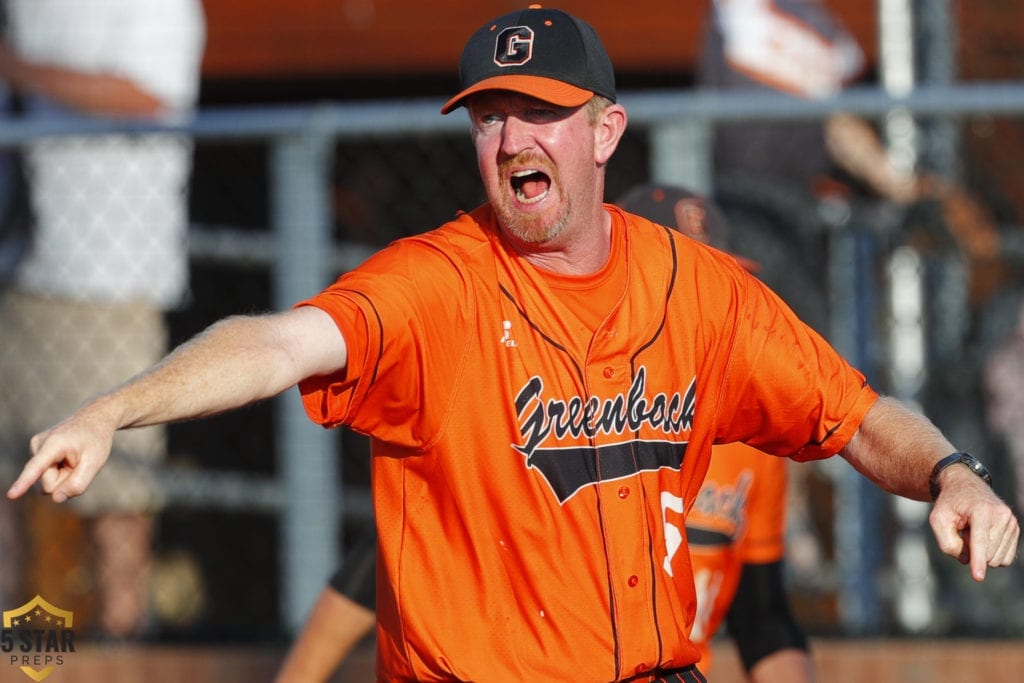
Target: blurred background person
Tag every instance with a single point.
(343, 615)
(14, 215)
(736, 529)
(774, 172)
(736, 533)
(1004, 382)
(812, 195)
(768, 173)
(108, 257)
(14, 237)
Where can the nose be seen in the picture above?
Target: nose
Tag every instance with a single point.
(516, 136)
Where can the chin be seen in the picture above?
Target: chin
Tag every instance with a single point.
(531, 227)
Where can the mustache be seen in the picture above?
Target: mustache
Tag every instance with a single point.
(527, 159)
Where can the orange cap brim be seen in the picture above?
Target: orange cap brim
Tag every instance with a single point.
(548, 89)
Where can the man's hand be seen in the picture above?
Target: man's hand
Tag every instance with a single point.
(972, 524)
(66, 457)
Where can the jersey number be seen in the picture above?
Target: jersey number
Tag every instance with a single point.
(673, 534)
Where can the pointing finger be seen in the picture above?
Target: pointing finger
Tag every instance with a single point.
(978, 542)
(34, 469)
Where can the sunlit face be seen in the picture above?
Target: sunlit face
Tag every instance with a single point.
(537, 163)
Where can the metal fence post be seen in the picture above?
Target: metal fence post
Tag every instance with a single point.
(936, 37)
(308, 457)
(858, 505)
(681, 153)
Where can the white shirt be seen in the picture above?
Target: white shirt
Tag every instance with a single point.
(111, 211)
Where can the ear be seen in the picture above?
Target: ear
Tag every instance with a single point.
(608, 131)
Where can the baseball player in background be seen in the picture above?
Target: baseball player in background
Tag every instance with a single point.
(542, 379)
(735, 530)
(736, 527)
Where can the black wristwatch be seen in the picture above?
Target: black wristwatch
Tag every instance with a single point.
(973, 464)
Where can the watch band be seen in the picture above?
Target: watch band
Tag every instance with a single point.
(972, 463)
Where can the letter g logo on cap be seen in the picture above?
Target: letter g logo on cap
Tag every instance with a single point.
(514, 46)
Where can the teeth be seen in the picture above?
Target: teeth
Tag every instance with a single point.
(521, 174)
(530, 200)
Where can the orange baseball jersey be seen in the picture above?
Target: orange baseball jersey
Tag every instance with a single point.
(533, 453)
(739, 517)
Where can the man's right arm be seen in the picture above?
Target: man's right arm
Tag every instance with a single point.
(235, 362)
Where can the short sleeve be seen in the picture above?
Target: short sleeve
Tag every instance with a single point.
(785, 389)
(396, 313)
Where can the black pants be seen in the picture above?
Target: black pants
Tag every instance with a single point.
(688, 674)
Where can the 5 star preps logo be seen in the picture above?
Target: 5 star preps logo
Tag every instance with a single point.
(37, 637)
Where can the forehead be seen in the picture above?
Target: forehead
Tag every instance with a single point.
(508, 100)
(691, 205)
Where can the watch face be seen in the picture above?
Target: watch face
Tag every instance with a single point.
(978, 468)
(967, 459)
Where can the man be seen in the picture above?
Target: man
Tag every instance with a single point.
(108, 257)
(735, 531)
(543, 379)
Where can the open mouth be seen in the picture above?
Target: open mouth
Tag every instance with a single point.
(530, 185)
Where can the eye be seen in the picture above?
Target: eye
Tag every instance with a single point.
(541, 114)
(486, 120)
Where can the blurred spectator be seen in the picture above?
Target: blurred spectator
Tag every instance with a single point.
(14, 221)
(792, 46)
(770, 175)
(774, 179)
(85, 309)
(344, 614)
(12, 246)
(736, 528)
(780, 169)
(1004, 381)
(14, 215)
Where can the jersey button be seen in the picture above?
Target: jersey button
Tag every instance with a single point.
(633, 581)
(623, 492)
(609, 372)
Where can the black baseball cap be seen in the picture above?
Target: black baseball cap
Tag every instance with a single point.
(660, 203)
(544, 53)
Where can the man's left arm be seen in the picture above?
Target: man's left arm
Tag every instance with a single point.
(897, 449)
